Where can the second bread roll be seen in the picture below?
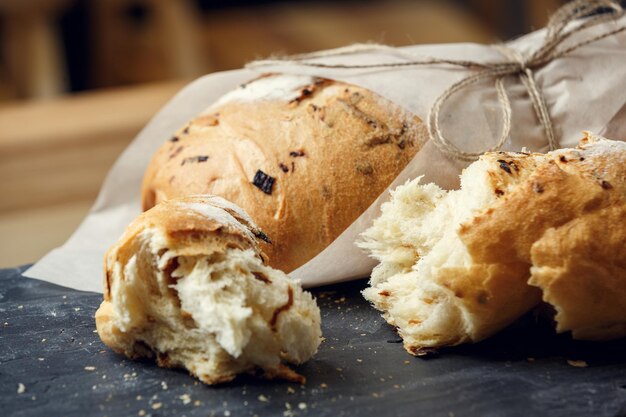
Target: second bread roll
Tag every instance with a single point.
(303, 156)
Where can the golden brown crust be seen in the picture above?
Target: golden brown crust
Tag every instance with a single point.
(581, 268)
(509, 169)
(566, 219)
(566, 185)
(181, 221)
(513, 224)
(331, 152)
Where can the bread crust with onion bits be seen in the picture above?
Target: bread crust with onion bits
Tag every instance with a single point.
(186, 284)
(567, 221)
(303, 156)
(459, 266)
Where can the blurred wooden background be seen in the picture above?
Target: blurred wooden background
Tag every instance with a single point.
(79, 78)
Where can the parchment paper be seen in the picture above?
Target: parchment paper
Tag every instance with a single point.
(585, 90)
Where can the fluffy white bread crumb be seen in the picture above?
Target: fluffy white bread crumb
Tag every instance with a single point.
(426, 283)
(187, 284)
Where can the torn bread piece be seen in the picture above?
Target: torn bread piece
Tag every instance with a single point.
(187, 284)
(427, 284)
(455, 265)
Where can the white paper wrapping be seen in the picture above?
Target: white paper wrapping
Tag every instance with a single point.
(585, 90)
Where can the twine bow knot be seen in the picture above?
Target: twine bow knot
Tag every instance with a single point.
(558, 31)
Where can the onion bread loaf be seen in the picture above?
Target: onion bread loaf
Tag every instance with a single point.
(303, 156)
(186, 284)
(458, 266)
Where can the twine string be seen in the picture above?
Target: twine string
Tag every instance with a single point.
(558, 31)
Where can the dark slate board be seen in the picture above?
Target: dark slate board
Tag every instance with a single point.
(48, 344)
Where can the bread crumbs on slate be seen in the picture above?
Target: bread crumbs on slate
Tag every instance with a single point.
(577, 364)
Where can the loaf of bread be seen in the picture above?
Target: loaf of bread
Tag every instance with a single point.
(459, 266)
(303, 156)
(187, 284)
